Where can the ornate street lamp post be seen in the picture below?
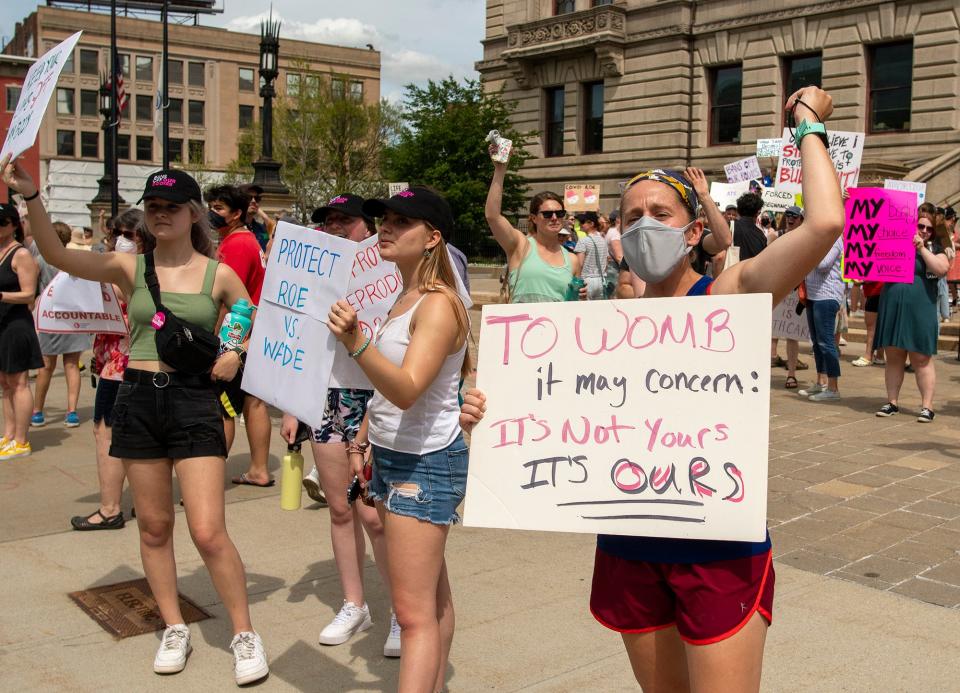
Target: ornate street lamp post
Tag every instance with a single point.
(266, 171)
(105, 194)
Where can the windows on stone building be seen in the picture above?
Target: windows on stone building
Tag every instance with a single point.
(890, 73)
(553, 98)
(592, 118)
(726, 94)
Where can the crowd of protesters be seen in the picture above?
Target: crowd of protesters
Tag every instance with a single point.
(666, 239)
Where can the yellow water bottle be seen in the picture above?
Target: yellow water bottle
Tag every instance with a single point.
(291, 472)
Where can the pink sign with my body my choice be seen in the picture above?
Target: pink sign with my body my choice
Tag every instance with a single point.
(878, 235)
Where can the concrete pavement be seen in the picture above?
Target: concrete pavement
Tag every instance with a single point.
(863, 512)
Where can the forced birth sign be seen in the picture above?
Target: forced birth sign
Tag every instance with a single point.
(646, 418)
(291, 350)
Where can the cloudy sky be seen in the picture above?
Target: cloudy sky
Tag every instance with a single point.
(418, 39)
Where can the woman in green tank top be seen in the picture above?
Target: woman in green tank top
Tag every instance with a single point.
(164, 420)
(539, 268)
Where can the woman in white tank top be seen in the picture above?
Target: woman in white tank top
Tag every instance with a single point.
(419, 462)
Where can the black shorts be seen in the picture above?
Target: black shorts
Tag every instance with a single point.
(161, 415)
(103, 401)
(872, 304)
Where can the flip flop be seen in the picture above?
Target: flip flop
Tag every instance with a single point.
(242, 480)
(791, 383)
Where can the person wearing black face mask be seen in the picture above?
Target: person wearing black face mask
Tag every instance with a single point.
(240, 250)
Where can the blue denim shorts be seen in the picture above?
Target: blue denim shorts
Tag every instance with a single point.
(440, 478)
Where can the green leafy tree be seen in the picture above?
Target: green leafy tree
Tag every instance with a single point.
(327, 140)
(442, 144)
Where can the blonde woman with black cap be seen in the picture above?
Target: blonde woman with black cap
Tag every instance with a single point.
(419, 459)
(165, 420)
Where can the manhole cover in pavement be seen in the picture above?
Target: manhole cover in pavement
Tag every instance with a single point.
(128, 608)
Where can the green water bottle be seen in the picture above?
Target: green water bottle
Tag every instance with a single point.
(573, 289)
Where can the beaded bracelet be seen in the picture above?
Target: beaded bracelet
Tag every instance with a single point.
(357, 448)
(356, 354)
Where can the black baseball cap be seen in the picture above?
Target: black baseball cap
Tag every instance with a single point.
(173, 185)
(417, 202)
(351, 205)
(250, 189)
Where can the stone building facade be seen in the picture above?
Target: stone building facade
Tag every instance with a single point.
(612, 87)
(213, 91)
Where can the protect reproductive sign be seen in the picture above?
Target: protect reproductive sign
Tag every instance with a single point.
(624, 417)
(37, 89)
(878, 235)
(374, 285)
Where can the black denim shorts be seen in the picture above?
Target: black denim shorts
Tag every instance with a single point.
(161, 415)
(103, 401)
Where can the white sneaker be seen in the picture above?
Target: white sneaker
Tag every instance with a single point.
(815, 389)
(351, 619)
(391, 648)
(174, 649)
(249, 659)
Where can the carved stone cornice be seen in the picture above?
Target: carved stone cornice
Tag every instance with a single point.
(599, 29)
(764, 18)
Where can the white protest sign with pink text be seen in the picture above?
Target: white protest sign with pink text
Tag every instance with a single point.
(374, 286)
(645, 418)
(846, 152)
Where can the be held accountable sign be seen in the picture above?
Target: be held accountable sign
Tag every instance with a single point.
(645, 418)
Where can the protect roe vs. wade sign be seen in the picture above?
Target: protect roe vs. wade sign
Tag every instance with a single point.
(878, 235)
(624, 417)
(291, 348)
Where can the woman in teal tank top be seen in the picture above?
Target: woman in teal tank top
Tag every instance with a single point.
(164, 420)
(539, 268)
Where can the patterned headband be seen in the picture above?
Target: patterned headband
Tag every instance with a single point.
(675, 180)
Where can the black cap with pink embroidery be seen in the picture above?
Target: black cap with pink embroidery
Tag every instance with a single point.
(345, 203)
(417, 202)
(173, 185)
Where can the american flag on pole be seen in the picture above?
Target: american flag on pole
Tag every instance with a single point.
(122, 96)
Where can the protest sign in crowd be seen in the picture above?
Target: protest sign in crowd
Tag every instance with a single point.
(640, 421)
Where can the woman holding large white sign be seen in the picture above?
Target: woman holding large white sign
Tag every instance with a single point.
(419, 461)
(693, 614)
(165, 419)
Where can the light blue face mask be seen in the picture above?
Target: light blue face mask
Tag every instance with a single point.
(653, 249)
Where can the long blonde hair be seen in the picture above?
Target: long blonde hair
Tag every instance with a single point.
(436, 274)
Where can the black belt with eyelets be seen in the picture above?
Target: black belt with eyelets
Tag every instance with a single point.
(161, 379)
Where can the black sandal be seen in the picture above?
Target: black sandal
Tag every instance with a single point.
(83, 524)
(791, 383)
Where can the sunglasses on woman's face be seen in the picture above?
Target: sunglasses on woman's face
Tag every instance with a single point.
(552, 213)
(792, 216)
(123, 232)
(925, 227)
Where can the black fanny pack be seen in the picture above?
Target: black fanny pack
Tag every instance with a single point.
(181, 344)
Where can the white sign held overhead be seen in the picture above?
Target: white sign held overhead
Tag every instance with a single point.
(644, 418)
(769, 147)
(909, 186)
(846, 151)
(744, 169)
(394, 188)
(38, 87)
(777, 200)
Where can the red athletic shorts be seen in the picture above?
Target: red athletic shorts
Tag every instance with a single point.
(707, 602)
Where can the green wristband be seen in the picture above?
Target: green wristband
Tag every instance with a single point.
(356, 354)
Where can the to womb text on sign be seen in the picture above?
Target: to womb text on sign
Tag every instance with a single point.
(624, 417)
(878, 235)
